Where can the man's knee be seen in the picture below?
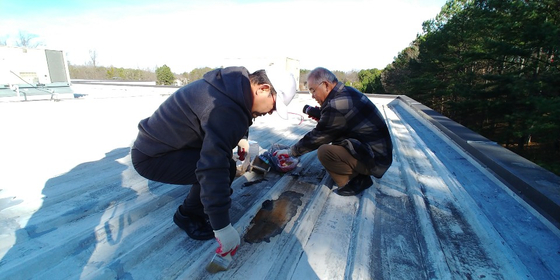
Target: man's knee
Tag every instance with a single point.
(324, 154)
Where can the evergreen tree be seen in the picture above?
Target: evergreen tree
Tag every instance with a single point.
(370, 81)
(164, 75)
(491, 65)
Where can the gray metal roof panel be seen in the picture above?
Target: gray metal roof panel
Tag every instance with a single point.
(77, 209)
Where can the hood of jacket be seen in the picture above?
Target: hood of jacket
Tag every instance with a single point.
(228, 80)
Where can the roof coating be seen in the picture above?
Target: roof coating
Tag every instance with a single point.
(71, 205)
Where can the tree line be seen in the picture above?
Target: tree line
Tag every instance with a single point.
(165, 76)
(491, 65)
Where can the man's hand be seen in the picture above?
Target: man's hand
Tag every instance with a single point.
(242, 149)
(282, 152)
(229, 240)
(313, 118)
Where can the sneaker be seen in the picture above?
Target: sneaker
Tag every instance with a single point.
(197, 227)
(355, 186)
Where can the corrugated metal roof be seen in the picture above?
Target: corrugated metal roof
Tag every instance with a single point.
(71, 205)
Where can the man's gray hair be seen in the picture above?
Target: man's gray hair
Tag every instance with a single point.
(321, 74)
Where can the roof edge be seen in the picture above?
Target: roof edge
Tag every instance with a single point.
(534, 184)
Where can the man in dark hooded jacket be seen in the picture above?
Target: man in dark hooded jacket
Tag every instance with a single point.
(190, 139)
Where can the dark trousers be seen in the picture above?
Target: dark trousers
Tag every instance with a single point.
(177, 167)
(340, 164)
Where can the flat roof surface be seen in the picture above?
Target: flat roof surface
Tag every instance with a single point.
(72, 207)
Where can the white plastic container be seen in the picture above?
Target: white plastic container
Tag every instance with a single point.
(254, 149)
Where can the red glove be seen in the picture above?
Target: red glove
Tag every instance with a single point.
(242, 154)
(229, 240)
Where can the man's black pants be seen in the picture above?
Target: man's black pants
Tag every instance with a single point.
(177, 167)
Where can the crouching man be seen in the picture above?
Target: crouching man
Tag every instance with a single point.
(351, 137)
(190, 139)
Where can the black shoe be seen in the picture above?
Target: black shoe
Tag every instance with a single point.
(355, 186)
(197, 227)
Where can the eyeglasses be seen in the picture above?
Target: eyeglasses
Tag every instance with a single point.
(312, 90)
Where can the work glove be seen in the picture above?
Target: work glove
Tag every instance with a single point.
(229, 240)
(242, 149)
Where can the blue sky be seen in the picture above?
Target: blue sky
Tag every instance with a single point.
(337, 34)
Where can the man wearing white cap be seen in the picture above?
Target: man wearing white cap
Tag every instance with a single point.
(190, 139)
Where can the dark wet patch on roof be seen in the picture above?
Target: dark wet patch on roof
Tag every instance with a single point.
(273, 217)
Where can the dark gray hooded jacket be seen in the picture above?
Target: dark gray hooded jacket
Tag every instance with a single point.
(211, 114)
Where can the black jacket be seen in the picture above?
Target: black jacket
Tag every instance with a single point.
(211, 114)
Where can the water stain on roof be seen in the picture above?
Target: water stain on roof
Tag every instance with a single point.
(273, 217)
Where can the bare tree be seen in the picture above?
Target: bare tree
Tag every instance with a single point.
(93, 56)
(25, 40)
(351, 77)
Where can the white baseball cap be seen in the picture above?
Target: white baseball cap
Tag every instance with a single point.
(285, 86)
